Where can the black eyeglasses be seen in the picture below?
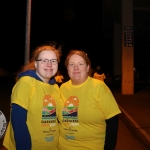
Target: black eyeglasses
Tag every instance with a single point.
(46, 61)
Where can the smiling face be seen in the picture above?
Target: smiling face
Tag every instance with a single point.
(77, 69)
(47, 70)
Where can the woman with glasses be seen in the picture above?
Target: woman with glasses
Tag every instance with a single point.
(34, 103)
(89, 113)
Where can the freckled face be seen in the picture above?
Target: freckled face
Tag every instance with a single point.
(77, 69)
(47, 70)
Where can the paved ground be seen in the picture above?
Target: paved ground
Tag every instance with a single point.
(136, 112)
(126, 140)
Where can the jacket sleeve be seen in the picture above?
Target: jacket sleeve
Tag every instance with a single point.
(111, 133)
(21, 132)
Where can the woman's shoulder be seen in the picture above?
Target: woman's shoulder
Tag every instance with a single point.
(65, 84)
(25, 80)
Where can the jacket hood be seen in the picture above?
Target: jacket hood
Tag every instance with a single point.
(33, 74)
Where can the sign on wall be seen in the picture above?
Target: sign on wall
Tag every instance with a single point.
(128, 36)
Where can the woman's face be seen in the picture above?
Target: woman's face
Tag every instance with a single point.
(77, 69)
(48, 66)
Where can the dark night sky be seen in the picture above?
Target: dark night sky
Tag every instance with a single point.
(81, 28)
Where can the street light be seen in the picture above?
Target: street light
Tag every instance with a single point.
(27, 38)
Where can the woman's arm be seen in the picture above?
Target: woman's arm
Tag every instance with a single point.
(21, 132)
(111, 133)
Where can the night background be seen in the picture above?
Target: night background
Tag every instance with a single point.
(86, 25)
(70, 23)
(76, 24)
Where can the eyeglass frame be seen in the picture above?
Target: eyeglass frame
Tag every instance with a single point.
(46, 61)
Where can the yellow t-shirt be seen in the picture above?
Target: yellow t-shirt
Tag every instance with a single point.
(83, 113)
(41, 100)
(99, 76)
(59, 78)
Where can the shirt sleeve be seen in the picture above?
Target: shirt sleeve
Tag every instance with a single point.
(22, 92)
(111, 133)
(21, 132)
(108, 103)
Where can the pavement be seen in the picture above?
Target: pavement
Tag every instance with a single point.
(134, 122)
(135, 110)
